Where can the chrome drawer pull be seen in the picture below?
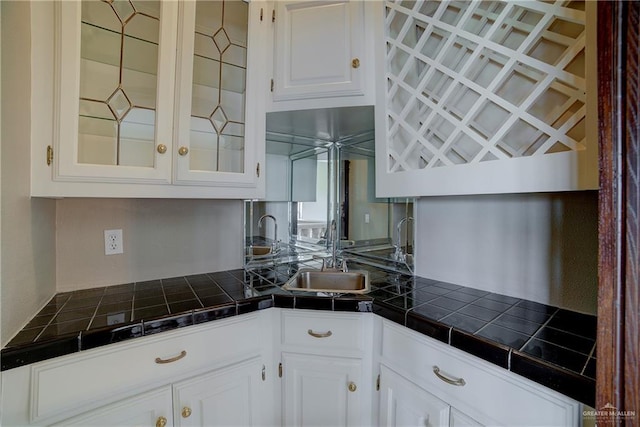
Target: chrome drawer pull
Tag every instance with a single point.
(171, 359)
(319, 335)
(458, 381)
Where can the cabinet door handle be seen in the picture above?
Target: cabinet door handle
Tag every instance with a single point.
(161, 422)
(183, 151)
(162, 148)
(355, 63)
(352, 387)
(319, 334)
(453, 381)
(182, 354)
(186, 412)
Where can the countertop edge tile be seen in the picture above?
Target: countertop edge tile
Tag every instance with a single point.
(578, 387)
(353, 304)
(37, 352)
(254, 304)
(284, 301)
(492, 352)
(390, 312)
(304, 302)
(167, 323)
(428, 327)
(210, 314)
(108, 335)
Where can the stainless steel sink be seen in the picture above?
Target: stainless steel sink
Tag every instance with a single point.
(312, 280)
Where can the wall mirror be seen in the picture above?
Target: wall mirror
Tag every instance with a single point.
(320, 170)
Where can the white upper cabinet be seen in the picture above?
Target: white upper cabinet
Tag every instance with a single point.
(322, 54)
(485, 97)
(215, 132)
(114, 108)
(150, 99)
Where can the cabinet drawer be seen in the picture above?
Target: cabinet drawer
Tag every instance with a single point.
(490, 394)
(335, 331)
(93, 378)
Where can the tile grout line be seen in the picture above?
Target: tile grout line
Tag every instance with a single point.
(584, 368)
(164, 295)
(51, 321)
(221, 288)
(490, 322)
(194, 292)
(95, 312)
(133, 301)
(538, 330)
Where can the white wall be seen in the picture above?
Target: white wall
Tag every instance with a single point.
(28, 226)
(541, 247)
(162, 238)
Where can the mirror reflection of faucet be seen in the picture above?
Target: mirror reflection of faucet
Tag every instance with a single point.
(274, 244)
(399, 255)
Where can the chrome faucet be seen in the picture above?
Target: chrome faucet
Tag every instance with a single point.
(334, 242)
(275, 233)
(398, 254)
(333, 261)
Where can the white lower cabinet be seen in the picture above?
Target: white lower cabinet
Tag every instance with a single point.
(279, 367)
(458, 419)
(152, 408)
(321, 390)
(233, 396)
(230, 396)
(222, 372)
(326, 368)
(427, 383)
(402, 403)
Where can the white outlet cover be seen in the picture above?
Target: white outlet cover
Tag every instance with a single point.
(113, 242)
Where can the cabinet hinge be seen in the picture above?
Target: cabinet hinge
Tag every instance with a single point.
(258, 170)
(271, 85)
(378, 383)
(264, 373)
(280, 370)
(49, 155)
(273, 15)
(261, 14)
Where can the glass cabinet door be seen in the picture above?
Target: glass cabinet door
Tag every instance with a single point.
(211, 138)
(116, 89)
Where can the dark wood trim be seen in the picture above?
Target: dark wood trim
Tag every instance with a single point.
(632, 163)
(619, 229)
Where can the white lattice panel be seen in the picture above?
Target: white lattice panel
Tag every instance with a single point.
(475, 81)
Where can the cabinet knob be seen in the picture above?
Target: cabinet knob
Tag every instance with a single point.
(355, 63)
(186, 412)
(183, 151)
(352, 386)
(162, 148)
(161, 422)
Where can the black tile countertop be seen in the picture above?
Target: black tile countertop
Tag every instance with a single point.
(549, 345)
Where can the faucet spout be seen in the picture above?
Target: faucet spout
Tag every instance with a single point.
(334, 243)
(399, 255)
(275, 227)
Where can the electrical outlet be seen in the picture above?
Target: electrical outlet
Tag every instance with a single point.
(113, 242)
